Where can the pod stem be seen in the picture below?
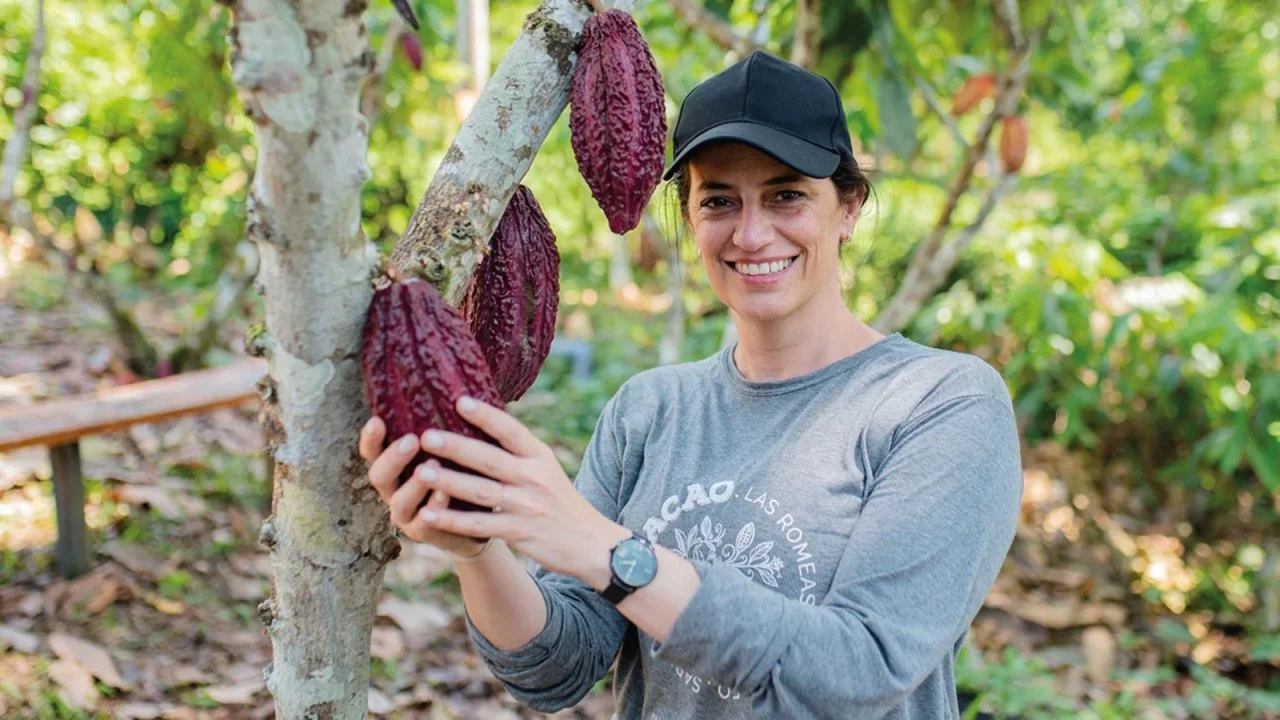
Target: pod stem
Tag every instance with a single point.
(598, 6)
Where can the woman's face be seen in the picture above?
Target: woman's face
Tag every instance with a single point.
(768, 235)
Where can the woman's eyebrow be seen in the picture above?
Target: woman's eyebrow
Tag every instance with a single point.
(779, 180)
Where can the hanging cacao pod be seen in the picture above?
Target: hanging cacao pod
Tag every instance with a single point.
(975, 90)
(419, 358)
(511, 302)
(617, 117)
(1013, 143)
(411, 47)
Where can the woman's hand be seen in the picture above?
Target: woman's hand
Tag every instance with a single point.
(384, 473)
(537, 510)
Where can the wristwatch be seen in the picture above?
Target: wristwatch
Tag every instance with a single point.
(633, 564)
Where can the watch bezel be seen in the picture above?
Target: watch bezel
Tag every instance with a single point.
(613, 570)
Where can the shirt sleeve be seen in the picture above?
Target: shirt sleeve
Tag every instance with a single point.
(583, 632)
(929, 542)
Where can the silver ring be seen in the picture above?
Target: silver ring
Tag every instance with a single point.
(498, 508)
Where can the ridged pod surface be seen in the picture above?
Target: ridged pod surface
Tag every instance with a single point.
(512, 300)
(419, 358)
(617, 117)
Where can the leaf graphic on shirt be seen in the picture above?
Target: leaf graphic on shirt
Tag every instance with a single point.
(745, 536)
(681, 545)
(706, 526)
(767, 577)
(760, 552)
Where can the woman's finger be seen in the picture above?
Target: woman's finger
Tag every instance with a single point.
(384, 473)
(477, 490)
(482, 457)
(405, 501)
(480, 525)
(501, 426)
(371, 437)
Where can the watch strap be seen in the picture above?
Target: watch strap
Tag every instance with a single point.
(616, 592)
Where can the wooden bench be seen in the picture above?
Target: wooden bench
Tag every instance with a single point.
(59, 424)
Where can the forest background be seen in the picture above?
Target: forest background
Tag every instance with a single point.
(1123, 279)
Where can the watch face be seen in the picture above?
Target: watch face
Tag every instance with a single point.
(634, 563)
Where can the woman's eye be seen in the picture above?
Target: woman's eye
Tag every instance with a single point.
(715, 202)
(789, 195)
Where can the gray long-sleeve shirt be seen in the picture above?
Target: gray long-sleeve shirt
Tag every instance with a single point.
(846, 525)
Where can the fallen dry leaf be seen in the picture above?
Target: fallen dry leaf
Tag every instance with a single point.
(75, 683)
(22, 642)
(30, 604)
(240, 587)
(379, 703)
(386, 643)
(186, 675)
(163, 604)
(162, 500)
(139, 558)
(142, 711)
(240, 693)
(88, 655)
(1099, 646)
(414, 617)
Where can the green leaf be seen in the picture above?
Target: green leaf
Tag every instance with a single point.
(897, 124)
(1263, 460)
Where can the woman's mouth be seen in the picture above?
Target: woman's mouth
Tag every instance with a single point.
(762, 272)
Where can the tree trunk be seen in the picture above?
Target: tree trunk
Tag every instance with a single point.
(804, 52)
(300, 66)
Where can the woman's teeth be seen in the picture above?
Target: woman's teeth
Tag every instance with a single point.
(762, 268)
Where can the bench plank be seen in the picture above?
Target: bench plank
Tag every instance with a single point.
(59, 422)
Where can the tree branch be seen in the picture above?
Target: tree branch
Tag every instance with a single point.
(931, 99)
(234, 281)
(494, 149)
(371, 94)
(927, 268)
(808, 35)
(15, 148)
(692, 12)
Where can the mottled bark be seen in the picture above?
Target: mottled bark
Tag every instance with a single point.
(299, 66)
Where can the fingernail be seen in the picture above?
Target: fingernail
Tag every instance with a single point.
(433, 439)
(406, 444)
(426, 474)
(429, 515)
(466, 404)
(368, 426)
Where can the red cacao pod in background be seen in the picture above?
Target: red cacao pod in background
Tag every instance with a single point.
(617, 117)
(411, 46)
(1013, 143)
(975, 90)
(512, 300)
(419, 358)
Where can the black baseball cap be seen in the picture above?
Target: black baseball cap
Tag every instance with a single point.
(772, 105)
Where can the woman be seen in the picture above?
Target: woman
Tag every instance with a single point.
(800, 526)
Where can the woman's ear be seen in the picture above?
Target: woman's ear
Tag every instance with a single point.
(850, 218)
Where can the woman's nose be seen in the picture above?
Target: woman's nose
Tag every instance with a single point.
(753, 231)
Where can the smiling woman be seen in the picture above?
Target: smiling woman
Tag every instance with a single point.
(802, 525)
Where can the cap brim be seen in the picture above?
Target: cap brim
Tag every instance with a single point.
(797, 154)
